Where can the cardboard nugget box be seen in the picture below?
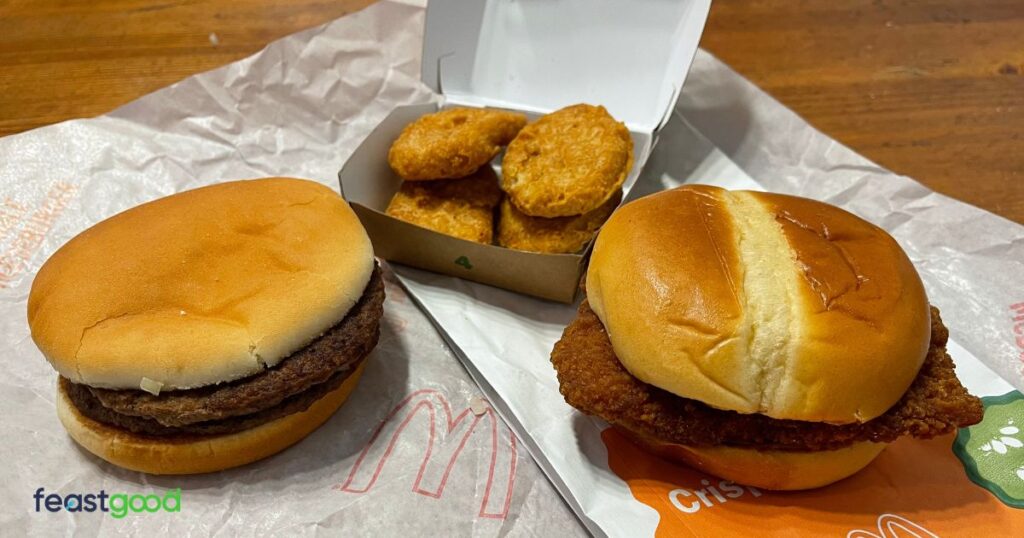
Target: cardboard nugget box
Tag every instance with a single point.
(535, 58)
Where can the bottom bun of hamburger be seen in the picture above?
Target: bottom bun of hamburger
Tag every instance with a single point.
(211, 328)
(199, 454)
(771, 340)
(767, 469)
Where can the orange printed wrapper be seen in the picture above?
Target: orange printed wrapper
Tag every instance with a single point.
(915, 488)
(970, 484)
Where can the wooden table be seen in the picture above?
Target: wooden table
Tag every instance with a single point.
(932, 89)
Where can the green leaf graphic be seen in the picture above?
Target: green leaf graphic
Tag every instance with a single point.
(993, 451)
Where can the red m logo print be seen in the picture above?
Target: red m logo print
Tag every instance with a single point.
(448, 436)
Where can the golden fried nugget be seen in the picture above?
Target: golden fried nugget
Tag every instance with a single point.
(452, 143)
(567, 163)
(560, 234)
(458, 207)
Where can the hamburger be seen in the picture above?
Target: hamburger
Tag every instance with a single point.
(771, 340)
(211, 328)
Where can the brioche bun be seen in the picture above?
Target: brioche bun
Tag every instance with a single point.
(760, 303)
(767, 469)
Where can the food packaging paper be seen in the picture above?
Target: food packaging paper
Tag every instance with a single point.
(619, 490)
(368, 183)
(299, 108)
(417, 450)
(466, 61)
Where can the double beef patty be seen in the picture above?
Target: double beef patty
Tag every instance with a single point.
(289, 387)
(594, 381)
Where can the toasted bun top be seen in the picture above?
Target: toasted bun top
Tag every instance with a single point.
(200, 287)
(760, 303)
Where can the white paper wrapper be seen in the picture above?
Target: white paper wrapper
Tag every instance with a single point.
(299, 108)
(505, 340)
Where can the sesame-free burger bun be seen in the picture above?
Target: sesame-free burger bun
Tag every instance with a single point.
(202, 287)
(767, 469)
(760, 303)
(199, 454)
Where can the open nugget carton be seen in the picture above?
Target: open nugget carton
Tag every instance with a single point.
(525, 57)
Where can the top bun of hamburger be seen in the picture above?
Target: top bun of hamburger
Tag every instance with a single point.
(760, 303)
(226, 280)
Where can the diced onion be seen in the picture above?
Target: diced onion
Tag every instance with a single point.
(150, 386)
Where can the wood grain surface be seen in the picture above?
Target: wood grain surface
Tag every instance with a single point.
(931, 89)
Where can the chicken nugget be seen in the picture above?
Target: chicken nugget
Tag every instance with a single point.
(557, 235)
(452, 143)
(461, 208)
(567, 163)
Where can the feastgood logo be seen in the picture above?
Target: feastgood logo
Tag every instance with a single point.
(118, 505)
